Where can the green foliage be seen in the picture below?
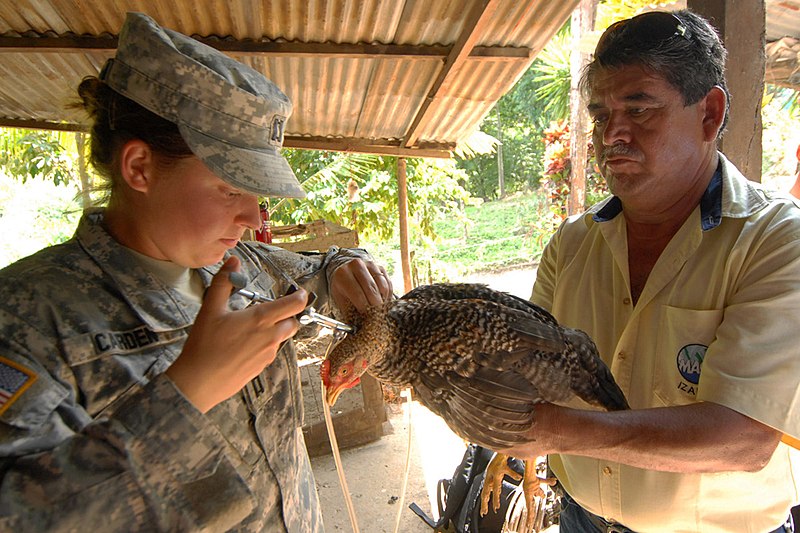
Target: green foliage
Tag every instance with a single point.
(29, 154)
(555, 182)
(324, 176)
(360, 191)
(517, 122)
(435, 193)
(552, 70)
(610, 11)
(479, 143)
(781, 136)
(35, 214)
(557, 167)
(783, 98)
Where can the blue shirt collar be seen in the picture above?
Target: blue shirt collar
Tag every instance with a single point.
(710, 204)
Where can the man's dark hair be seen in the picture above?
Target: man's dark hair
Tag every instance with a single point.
(682, 47)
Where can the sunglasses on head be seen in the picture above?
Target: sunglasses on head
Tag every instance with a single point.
(644, 30)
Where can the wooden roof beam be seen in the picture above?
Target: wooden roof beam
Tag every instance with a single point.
(364, 146)
(79, 44)
(473, 30)
(41, 125)
(369, 146)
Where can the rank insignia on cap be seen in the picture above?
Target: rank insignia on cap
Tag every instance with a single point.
(14, 379)
(276, 131)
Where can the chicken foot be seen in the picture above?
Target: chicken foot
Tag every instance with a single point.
(531, 485)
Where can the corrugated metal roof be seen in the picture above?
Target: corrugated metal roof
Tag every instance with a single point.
(387, 76)
(783, 19)
(783, 43)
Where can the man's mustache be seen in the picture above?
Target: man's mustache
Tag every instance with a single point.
(616, 150)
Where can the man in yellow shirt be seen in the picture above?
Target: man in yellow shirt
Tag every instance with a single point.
(688, 280)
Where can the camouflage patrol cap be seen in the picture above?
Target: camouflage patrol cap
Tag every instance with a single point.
(230, 115)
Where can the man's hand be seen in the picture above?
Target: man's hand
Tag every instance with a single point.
(544, 434)
(226, 348)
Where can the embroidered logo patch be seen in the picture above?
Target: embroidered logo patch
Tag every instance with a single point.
(690, 360)
(14, 379)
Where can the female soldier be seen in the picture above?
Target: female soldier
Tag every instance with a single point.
(138, 394)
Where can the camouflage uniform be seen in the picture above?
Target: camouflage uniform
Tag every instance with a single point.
(102, 437)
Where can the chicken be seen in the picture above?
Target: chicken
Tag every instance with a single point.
(479, 358)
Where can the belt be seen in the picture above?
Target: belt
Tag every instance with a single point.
(612, 527)
(605, 526)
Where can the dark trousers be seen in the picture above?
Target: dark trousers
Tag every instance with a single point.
(576, 519)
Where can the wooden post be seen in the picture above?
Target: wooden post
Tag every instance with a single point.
(582, 21)
(86, 184)
(402, 207)
(501, 173)
(742, 27)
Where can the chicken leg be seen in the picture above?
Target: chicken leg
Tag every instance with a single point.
(531, 485)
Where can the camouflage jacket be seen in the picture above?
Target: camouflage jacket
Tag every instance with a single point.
(93, 434)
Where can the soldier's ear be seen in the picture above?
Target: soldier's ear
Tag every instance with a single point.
(137, 164)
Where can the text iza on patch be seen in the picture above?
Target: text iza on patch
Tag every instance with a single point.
(689, 362)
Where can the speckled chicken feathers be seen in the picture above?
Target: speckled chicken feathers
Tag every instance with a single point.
(480, 358)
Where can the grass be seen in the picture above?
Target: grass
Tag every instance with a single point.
(496, 236)
(499, 234)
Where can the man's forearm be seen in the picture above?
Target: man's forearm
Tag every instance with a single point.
(704, 437)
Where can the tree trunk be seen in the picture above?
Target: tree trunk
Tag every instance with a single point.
(402, 206)
(582, 21)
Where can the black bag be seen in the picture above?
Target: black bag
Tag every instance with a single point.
(459, 497)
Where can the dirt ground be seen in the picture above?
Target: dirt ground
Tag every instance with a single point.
(374, 472)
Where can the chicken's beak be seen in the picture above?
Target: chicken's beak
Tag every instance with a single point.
(332, 394)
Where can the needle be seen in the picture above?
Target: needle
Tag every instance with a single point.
(308, 316)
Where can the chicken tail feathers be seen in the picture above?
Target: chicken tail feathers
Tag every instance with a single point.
(603, 390)
(607, 393)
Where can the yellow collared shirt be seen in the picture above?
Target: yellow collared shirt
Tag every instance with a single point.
(717, 321)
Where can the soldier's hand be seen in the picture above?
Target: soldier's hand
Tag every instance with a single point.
(360, 284)
(226, 348)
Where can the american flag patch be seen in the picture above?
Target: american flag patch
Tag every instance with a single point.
(14, 379)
